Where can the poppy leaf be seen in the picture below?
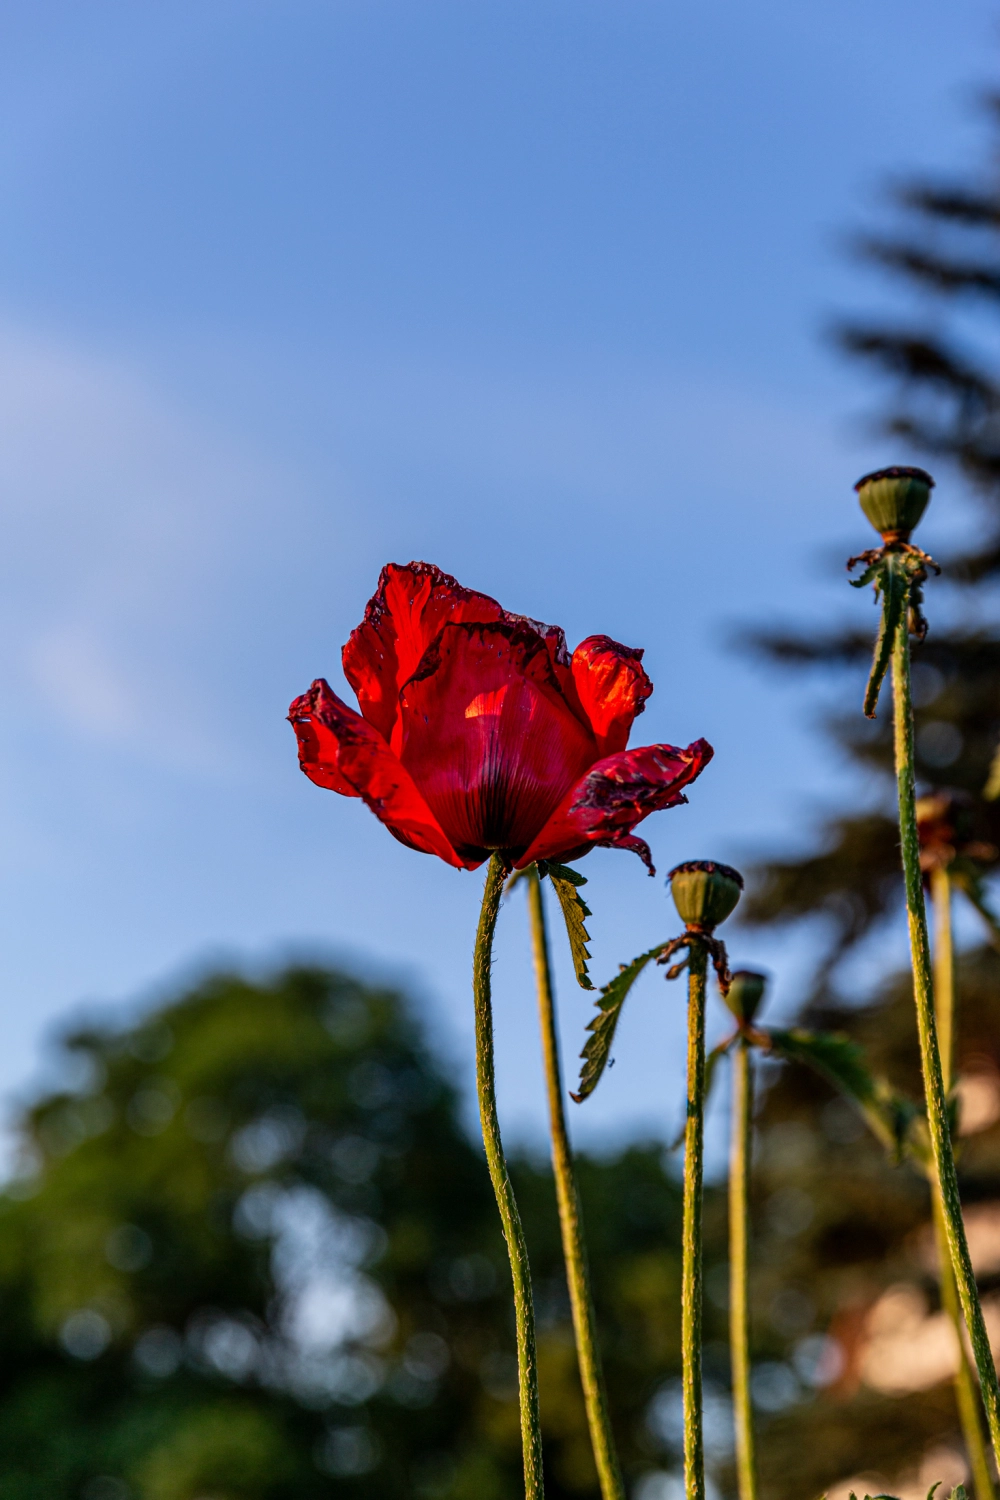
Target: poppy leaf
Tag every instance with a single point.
(866, 577)
(566, 884)
(612, 998)
(895, 587)
(890, 1116)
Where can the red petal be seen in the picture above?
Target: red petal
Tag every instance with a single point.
(633, 845)
(555, 644)
(612, 687)
(319, 747)
(615, 795)
(406, 612)
(340, 750)
(488, 736)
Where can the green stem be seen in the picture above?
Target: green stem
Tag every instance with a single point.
(739, 1218)
(966, 1398)
(930, 1057)
(570, 1214)
(944, 1014)
(524, 1312)
(691, 1270)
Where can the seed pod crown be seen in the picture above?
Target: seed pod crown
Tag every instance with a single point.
(705, 892)
(894, 500)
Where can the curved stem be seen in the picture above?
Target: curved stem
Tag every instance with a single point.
(966, 1398)
(570, 1214)
(944, 1014)
(691, 1269)
(930, 1057)
(524, 1312)
(739, 1322)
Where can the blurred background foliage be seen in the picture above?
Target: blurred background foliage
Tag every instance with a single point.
(845, 1271)
(253, 1254)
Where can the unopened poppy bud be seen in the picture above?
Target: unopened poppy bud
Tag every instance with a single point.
(705, 892)
(746, 991)
(894, 500)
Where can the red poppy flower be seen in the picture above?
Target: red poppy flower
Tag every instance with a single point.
(479, 732)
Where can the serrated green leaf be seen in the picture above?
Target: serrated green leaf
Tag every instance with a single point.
(612, 998)
(895, 586)
(867, 576)
(566, 884)
(890, 1116)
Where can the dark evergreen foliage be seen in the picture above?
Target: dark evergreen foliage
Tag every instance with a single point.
(836, 1223)
(942, 375)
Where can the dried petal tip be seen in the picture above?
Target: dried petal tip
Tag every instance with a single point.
(894, 500)
(705, 892)
(746, 991)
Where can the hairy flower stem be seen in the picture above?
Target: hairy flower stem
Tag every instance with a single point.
(930, 1057)
(966, 1398)
(739, 1323)
(570, 1215)
(691, 1271)
(524, 1311)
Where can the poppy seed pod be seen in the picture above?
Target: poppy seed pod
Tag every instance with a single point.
(745, 993)
(894, 500)
(705, 892)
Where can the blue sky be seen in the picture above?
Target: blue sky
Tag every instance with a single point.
(532, 291)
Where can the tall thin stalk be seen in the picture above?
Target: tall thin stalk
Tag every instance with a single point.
(930, 1057)
(570, 1214)
(524, 1312)
(944, 1013)
(691, 1270)
(739, 1321)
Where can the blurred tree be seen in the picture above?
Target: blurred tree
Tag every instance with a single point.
(252, 1255)
(850, 1379)
(941, 253)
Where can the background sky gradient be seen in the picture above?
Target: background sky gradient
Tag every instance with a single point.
(532, 291)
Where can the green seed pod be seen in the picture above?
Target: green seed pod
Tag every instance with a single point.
(745, 994)
(705, 892)
(894, 500)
